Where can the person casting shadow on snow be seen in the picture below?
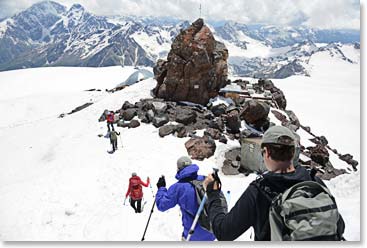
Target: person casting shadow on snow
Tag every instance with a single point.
(183, 194)
(135, 191)
(110, 120)
(113, 139)
(322, 221)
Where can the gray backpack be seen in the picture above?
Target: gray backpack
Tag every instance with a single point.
(305, 211)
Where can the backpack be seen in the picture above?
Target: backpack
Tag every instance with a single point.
(135, 189)
(305, 211)
(204, 220)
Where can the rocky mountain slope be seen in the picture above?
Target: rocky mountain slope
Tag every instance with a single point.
(49, 34)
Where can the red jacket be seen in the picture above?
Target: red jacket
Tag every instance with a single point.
(110, 118)
(135, 190)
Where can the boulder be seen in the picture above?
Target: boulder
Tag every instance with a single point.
(254, 111)
(214, 133)
(129, 114)
(159, 107)
(181, 131)
(160, 120)
(185, 116)
(196, 67)
(134, 124)
(217, 123)
(127, 105)
(166, 130)
(200, 148)
(233, 122)
(218, 109)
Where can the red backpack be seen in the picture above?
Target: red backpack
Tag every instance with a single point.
(136, 191)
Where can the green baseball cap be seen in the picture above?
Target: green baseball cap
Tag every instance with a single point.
(279, 135)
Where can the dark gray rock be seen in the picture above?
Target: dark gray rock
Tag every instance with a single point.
(129, 114)
(185, 116)
(134, 124)
(167, 130)
(160, 120)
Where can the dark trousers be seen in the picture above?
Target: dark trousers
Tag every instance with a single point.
(108, 126)
(114, 144)
(138, 203)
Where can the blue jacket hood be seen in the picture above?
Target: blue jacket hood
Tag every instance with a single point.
(190, 171)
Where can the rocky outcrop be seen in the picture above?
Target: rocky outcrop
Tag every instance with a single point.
(196, 67)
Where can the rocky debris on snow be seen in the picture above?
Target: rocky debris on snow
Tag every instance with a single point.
(277, 94)
(179, 130)
(134, 124)
(160, 120)
(128, 114)
(233, 121)
(231, 164)
(200, 148)
(214, 133)
(196, 67)
(319, 154)
(77, 109)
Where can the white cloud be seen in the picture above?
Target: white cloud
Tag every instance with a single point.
(312, 13)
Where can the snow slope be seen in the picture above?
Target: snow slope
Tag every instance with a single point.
(59, 183)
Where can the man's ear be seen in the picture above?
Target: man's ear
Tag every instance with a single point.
(266, 152)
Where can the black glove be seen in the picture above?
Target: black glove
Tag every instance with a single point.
(210, 186)
(161, 182)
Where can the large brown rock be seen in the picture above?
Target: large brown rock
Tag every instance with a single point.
(256, 114)
(196, 67)
(200, 148)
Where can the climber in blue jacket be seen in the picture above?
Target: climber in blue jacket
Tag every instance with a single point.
(183, 194)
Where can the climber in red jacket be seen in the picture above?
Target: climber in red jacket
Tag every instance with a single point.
(110, 120)
(135, 191)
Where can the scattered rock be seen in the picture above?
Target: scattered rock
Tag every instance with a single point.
(214, 133)
(319, 154)
(159, 107)
(185, 116)
(200, 148)
(160, 120)
(181, 131)
(233, 121)
(134, 124)
(129, 114)
(166, 130)
(218, 109)
(127, 105)
(77, 109)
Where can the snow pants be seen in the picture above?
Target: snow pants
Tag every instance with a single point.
(137, 206)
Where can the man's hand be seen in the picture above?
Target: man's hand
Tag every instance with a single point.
(210, 184)
(161, 182)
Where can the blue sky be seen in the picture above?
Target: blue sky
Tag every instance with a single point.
(311, 13)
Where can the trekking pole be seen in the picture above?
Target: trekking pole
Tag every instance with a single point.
(146, 227)
(151, 189)
(125, 201)
(192, 228)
